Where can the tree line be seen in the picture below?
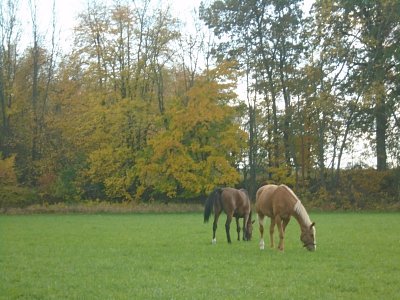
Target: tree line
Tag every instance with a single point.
(141, 109)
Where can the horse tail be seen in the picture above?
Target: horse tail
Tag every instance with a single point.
(214, 196)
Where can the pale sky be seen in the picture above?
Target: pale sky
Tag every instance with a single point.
(67, 11)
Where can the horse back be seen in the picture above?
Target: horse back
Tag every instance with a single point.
(264, 199)
(284, 201)
(275, 200)
(235, 201)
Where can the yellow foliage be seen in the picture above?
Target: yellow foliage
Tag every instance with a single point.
(282, 175)
(106, 165)
(7, 172)
(200, 145)
(368, 181)
(132, 148)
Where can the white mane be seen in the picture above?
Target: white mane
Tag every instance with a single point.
(303, 215)
(299, 209)
(301, 212)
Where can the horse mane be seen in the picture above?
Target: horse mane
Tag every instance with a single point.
(302, 213)
(299, 208)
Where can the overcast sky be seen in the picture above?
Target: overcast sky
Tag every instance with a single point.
(68, 10)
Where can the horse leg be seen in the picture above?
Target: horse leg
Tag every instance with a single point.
(245, 220)
(278, 222)
(238, 228)
(216, 216)
(285, 223)
(227, 227)
(271, 232)
(261, 227)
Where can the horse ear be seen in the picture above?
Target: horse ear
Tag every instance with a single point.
(312, 225)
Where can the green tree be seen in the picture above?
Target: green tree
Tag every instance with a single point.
(368, 32)
(264, 36)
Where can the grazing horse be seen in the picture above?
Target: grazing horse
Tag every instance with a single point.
(280, 203)
(235, 203)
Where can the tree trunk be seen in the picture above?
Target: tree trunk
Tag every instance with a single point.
(252, 151)
(274, 117)
(381, 126)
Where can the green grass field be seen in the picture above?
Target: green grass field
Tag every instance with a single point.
(170, 256)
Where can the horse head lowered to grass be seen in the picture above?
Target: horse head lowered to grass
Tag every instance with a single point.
(280, 203)
(236, 204)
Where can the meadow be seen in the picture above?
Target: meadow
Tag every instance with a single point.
(170, 256)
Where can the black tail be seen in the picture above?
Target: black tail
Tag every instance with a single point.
(214, 196)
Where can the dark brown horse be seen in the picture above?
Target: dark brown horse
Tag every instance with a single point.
(235, 203)
(280, 203)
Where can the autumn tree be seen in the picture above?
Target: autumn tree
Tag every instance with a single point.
(25, 88)
(201, 146)
(9, 37)
(130, 50)
(35, 78)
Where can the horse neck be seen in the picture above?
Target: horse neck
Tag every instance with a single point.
(301, 214)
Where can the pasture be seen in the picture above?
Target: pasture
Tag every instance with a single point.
(170, 256)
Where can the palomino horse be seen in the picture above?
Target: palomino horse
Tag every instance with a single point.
(280, 203)
(235, 203)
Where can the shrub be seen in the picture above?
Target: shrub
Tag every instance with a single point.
(15, 196)
(368, 188)
(7, 172)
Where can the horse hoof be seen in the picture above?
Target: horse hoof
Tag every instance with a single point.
(262, 246)
(214, 241)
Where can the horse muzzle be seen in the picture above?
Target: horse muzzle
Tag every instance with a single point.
(310, 247)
